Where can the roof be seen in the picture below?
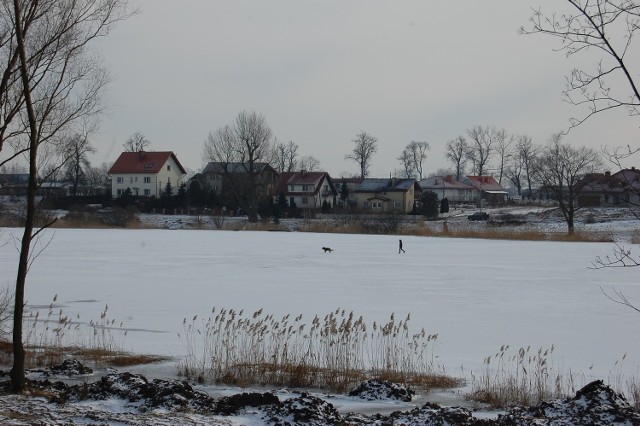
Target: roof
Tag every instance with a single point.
(385, 185)
(485, 183)
(443, 182)
(629, 176)
(623, 180)
(301, 178)
(143, 162)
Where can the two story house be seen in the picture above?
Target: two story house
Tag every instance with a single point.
(385, 195)
(306, 190)
(145, 174)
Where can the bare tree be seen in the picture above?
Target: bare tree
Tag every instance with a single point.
(515, 169)
(519, 165)
(527, 152)
(408, 169)
(77, 147)
(137, 142)
(59, 85)
(97, 178)
(561, 169)
(242, 149)
(481, 147)
(503, 148)
(286, 157)
(418, 151)
(365, 146)
(309, 163)
(607, 27)
(412, 158)
(456, 152)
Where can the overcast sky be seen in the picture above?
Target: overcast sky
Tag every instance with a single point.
(322, 71)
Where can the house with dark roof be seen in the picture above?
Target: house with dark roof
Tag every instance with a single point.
(606, 189)
(145, 174)
(306, 190)
(487, 190)
(450, 188)
(351, 184)
(385, 195)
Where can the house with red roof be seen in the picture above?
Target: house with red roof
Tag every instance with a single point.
(487, 190)
(306, 190)
(450, 188)
(145, 174)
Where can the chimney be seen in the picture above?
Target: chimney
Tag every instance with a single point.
(140, 155)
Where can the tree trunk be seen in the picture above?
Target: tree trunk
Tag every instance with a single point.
(17, 371)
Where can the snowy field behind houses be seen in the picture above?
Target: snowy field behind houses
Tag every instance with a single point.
(476, 294)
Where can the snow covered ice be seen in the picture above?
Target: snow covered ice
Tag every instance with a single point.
(478, 295)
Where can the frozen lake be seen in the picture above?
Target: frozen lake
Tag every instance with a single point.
(476, 294)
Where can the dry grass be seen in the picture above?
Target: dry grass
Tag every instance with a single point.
(524, 378)
(50, 340)
(530, 377)
(336, 352)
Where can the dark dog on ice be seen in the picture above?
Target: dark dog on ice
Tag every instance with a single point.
(327, 249)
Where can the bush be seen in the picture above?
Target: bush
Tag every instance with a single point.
(120, 217)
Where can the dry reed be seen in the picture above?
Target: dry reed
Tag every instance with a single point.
(530, 377)
(49, 340)
(335, 352)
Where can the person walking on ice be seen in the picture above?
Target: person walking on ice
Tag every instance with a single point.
(400, 249)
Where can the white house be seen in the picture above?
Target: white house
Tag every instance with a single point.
(145, 174)
(306, 190)
(448, 187)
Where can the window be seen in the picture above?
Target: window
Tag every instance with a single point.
(396, 204)
(365, 204)
(305, 201)
(147, 179)
(135, 179)
(120, 179)
(131, 179)
(120, 191)
(168, 168)
(376, 204)
(147, 192)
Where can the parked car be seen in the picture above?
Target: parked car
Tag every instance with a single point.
(479, 216)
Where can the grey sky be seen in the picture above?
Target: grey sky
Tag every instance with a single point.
(322, 71)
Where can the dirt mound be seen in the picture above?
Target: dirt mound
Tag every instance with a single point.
(376, 389)
(303, 410)
(233, 404)
(135, 388)
(594, 404)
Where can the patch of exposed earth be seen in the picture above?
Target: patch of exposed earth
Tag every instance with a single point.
(132, 399)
